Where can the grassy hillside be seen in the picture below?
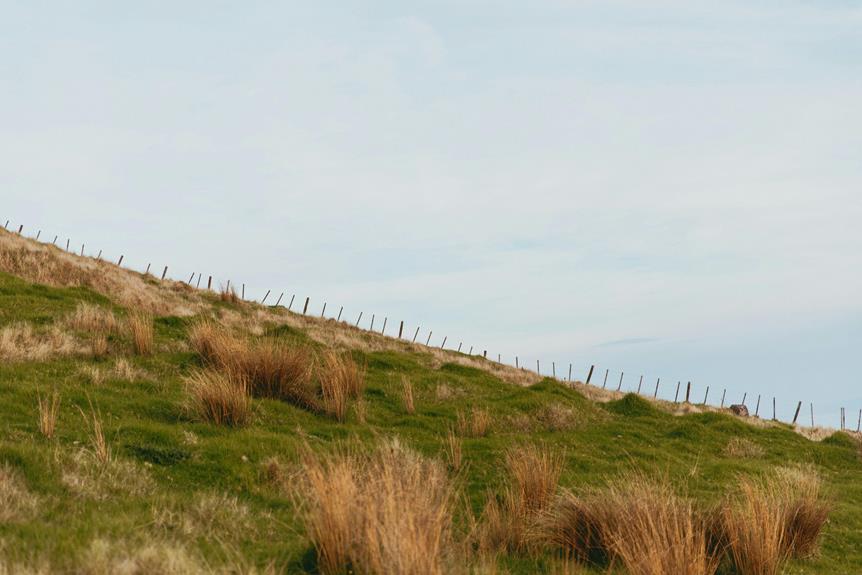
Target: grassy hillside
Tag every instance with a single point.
(173, 493)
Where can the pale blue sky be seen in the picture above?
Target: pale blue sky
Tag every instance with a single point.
(666, 188)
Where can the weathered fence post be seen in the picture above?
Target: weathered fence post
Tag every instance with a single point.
(164, 272)
(358, 319)
(278, 301)
(620, 386)
(290, 305)
(38, 235)
(640, 382)
(538, 372)
(427, 341)
(687, 391)
(744, 395)
(305, 307)
(812, 414)
(774, 413)
(554, 370)
(82, 250)
(340, 309)
(605, 382)
(383, 329)
(401, 330)
(706, 395)
(191, 277)
(21, 227)
(443, 345)
(485, 354)
(516, 362)
(99, 257)
(323, 311)
(569, 378)
(67, 244)
(243, 293)
(209, 282)
(54, 243)
(796, 415)
(263, 301)
(723, 393)
(470, 353)
(198, 284)
(757, 409)
(676, 395)
(655, 393)
(460, 343)
(147, 272)
(415, 334)
(590, 374)
(372, 323)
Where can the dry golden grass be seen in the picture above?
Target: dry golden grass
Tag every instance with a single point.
(210, 515)
(743, 448)
(93, 319)
(360, 408)
(642, 523)
(219, 398)
(534, 471)
(85, 476)
(22, 342)
(270, 368)
(341, 379)
(16, 501)
(390, 512)
(805, 509)
(46, 264)
(476, 424)
(49, 409)
(99, 346)
(407, 396)
(228, 294)
(453, 448)
(141, 331)
(155, 557)
(754, 529)
(96, 435)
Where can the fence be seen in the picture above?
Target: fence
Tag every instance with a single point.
(738, 408)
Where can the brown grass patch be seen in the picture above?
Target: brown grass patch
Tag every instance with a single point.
(21, 342)
(754, 528)
(341, 379)
(390, 512)
(228, 294)
(452, 445)
(92, 318)
(743, 448)
(476, 424)
(85, 475)
(219, 398)
(96, 435)
(99, 346)
(141, 330)
(16, 501)
(805, 509)
(49, 409)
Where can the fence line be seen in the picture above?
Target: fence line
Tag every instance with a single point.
(736, 408)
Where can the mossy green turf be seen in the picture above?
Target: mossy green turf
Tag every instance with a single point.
(145, 423)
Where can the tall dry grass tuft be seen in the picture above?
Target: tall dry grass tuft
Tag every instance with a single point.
(753, 525)
(228, 294)
(219, 398)
(805, 509)
(390, 512)
(454, 451)
(99, 346)
(642, 523)
(141, 329)
(533, 475)
(269, 368)
(476, 424)
(654, 531)
(49, 409)
(341, 379)
(96, 435)
(407, 396)
(93, 319)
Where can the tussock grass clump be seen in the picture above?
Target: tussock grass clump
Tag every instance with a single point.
(219, 398)
(104, 557)
(454, 451)
(270, 369)
(141, 330)
(388, 512)
(533, 476)
(743, 448)
(805, 509)
(93, 319)
(96, 435)
(86, 476)
(99, 346)
(16, 501)
(49, 409)
(640, 522)
(476, 424)
(228, 294)
(341, 379)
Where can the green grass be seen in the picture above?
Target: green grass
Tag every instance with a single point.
(179, 462)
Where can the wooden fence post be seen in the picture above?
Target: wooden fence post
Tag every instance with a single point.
(554, 370)
(147, 272)
(796, 415)
(341, 309)
(687, 391)
(859, 423)
(744, 395)
(443, 345)
(676, 395)
(516, 363)
(499, 358)
(812, 414)
(278, 301)
(383, 329)
(460, 343)
(757, 409)
(484, 354)
(21, 227)
(67, 244)
(401, 330)
(54, 243)
(774, 413)
(570, 373)
(372, 323)
(290, 305)
(590, 374)
(6, 225)
(470, 353)
(358, 319)
(706, 395)
(639, 384)
(305, 307)
(38, 235)
(427, 341)
(243, 292)
(99, 257)
(605, 382)
(191, 277)
(723, 393)
(198, 284)
(210, 283)
(655, 393)
(538, 372)
(620, 386)
(415, 334)
(323, 311)
(82, 250)
(164, 272)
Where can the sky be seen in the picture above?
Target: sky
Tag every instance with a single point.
(667, 189)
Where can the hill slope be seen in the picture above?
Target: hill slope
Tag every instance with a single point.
(170, 492)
